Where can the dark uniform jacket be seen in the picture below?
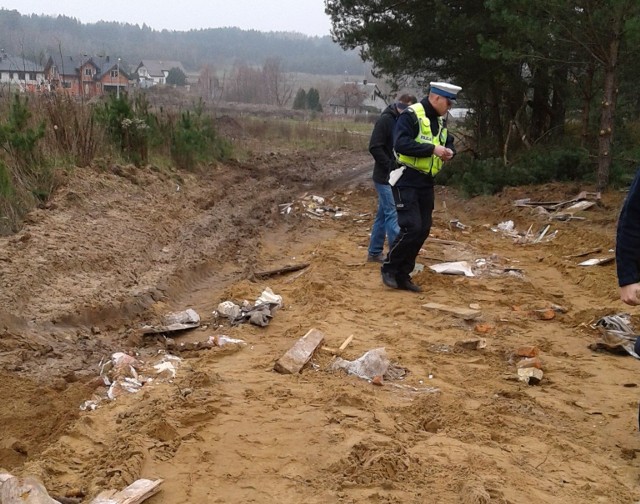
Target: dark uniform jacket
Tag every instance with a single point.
(628, 237)
(381, 144)
(406, 131)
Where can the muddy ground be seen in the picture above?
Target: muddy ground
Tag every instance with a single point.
(119, 248)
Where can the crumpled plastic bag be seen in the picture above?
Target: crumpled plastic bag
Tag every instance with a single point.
(260, 313)
(616, 334)
(373, 363)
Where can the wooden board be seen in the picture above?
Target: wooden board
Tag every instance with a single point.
(300, 353)
(139, 491)
(463, 313)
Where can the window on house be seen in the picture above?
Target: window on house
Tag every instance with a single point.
(11, 75)
(114, 73)
(88, 71)
(32, 76)
(20, 75)
(66, 84)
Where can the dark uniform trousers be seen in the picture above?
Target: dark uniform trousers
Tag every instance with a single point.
(415, 209)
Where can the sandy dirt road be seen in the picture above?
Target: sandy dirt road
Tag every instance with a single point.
(122, 247)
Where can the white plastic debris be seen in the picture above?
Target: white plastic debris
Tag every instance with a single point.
(222, 340)
(166, 369)
(175, 321)
(453, 268)
(229, 309)
(268, 296)
(373, 363)
(506, 226)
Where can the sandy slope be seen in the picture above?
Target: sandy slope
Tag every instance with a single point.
(122, 247)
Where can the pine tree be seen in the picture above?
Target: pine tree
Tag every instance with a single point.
(300, 101)
(313, 100)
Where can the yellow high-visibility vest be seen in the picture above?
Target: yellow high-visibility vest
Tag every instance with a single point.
(433, 164)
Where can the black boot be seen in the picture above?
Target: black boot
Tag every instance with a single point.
(409, 285)
(389, 279)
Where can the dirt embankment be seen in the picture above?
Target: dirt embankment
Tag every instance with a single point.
(121, 247)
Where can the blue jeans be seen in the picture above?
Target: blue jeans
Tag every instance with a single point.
(386, 222)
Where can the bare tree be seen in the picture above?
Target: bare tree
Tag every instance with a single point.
(208, 83)
(277, 85)
(349, 95)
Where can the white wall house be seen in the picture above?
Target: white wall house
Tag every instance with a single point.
(21, 73)
(155, 72)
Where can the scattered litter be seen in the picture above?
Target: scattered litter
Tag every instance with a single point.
(507, 228)
(597, 261)
(455, 223)
(123, 373)
(572, 205)
(174, 321)
(312, 206)
(530, 375)
(373, 366)
(212, 342)
(472, 344)
(373, 363)
(453, 268)
(616, 333)
(259, 313)
(223, 340)
(229, 309)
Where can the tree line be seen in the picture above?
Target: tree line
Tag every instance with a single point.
(37, 36)
(537, 74)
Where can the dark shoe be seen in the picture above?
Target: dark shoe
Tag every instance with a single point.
(376, 258)
(389, 279)
(409, 285)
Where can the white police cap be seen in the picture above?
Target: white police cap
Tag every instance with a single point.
(444, 89)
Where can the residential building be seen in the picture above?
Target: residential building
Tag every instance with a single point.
(22, 73)
(86, 76)
(354, 98)
(154, 72)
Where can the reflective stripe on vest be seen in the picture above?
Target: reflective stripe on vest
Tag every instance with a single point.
(432, 164)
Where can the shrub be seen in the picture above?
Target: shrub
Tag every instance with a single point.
(74, 131)
(488, 176)
(194, 140)
(18, 138)
(127, 125)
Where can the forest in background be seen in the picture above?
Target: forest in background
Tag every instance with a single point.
(552, 85)
(37, 36)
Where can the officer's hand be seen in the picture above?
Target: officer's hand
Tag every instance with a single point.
(442, 153)
(630, 294)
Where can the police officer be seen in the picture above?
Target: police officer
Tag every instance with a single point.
(422, 145)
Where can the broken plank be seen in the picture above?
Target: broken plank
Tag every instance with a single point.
(346, 342)
(582, 254)
(300, 353)
(460, 312)
(139, 491)
(280, 271)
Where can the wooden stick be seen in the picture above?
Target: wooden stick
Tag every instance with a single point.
(280, 271)
(582, 254)
(346, 343)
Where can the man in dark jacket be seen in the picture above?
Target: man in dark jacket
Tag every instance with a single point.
(628, 246)
(381, 148)
(422, 144)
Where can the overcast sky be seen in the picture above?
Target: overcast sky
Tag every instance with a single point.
(304, 16)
